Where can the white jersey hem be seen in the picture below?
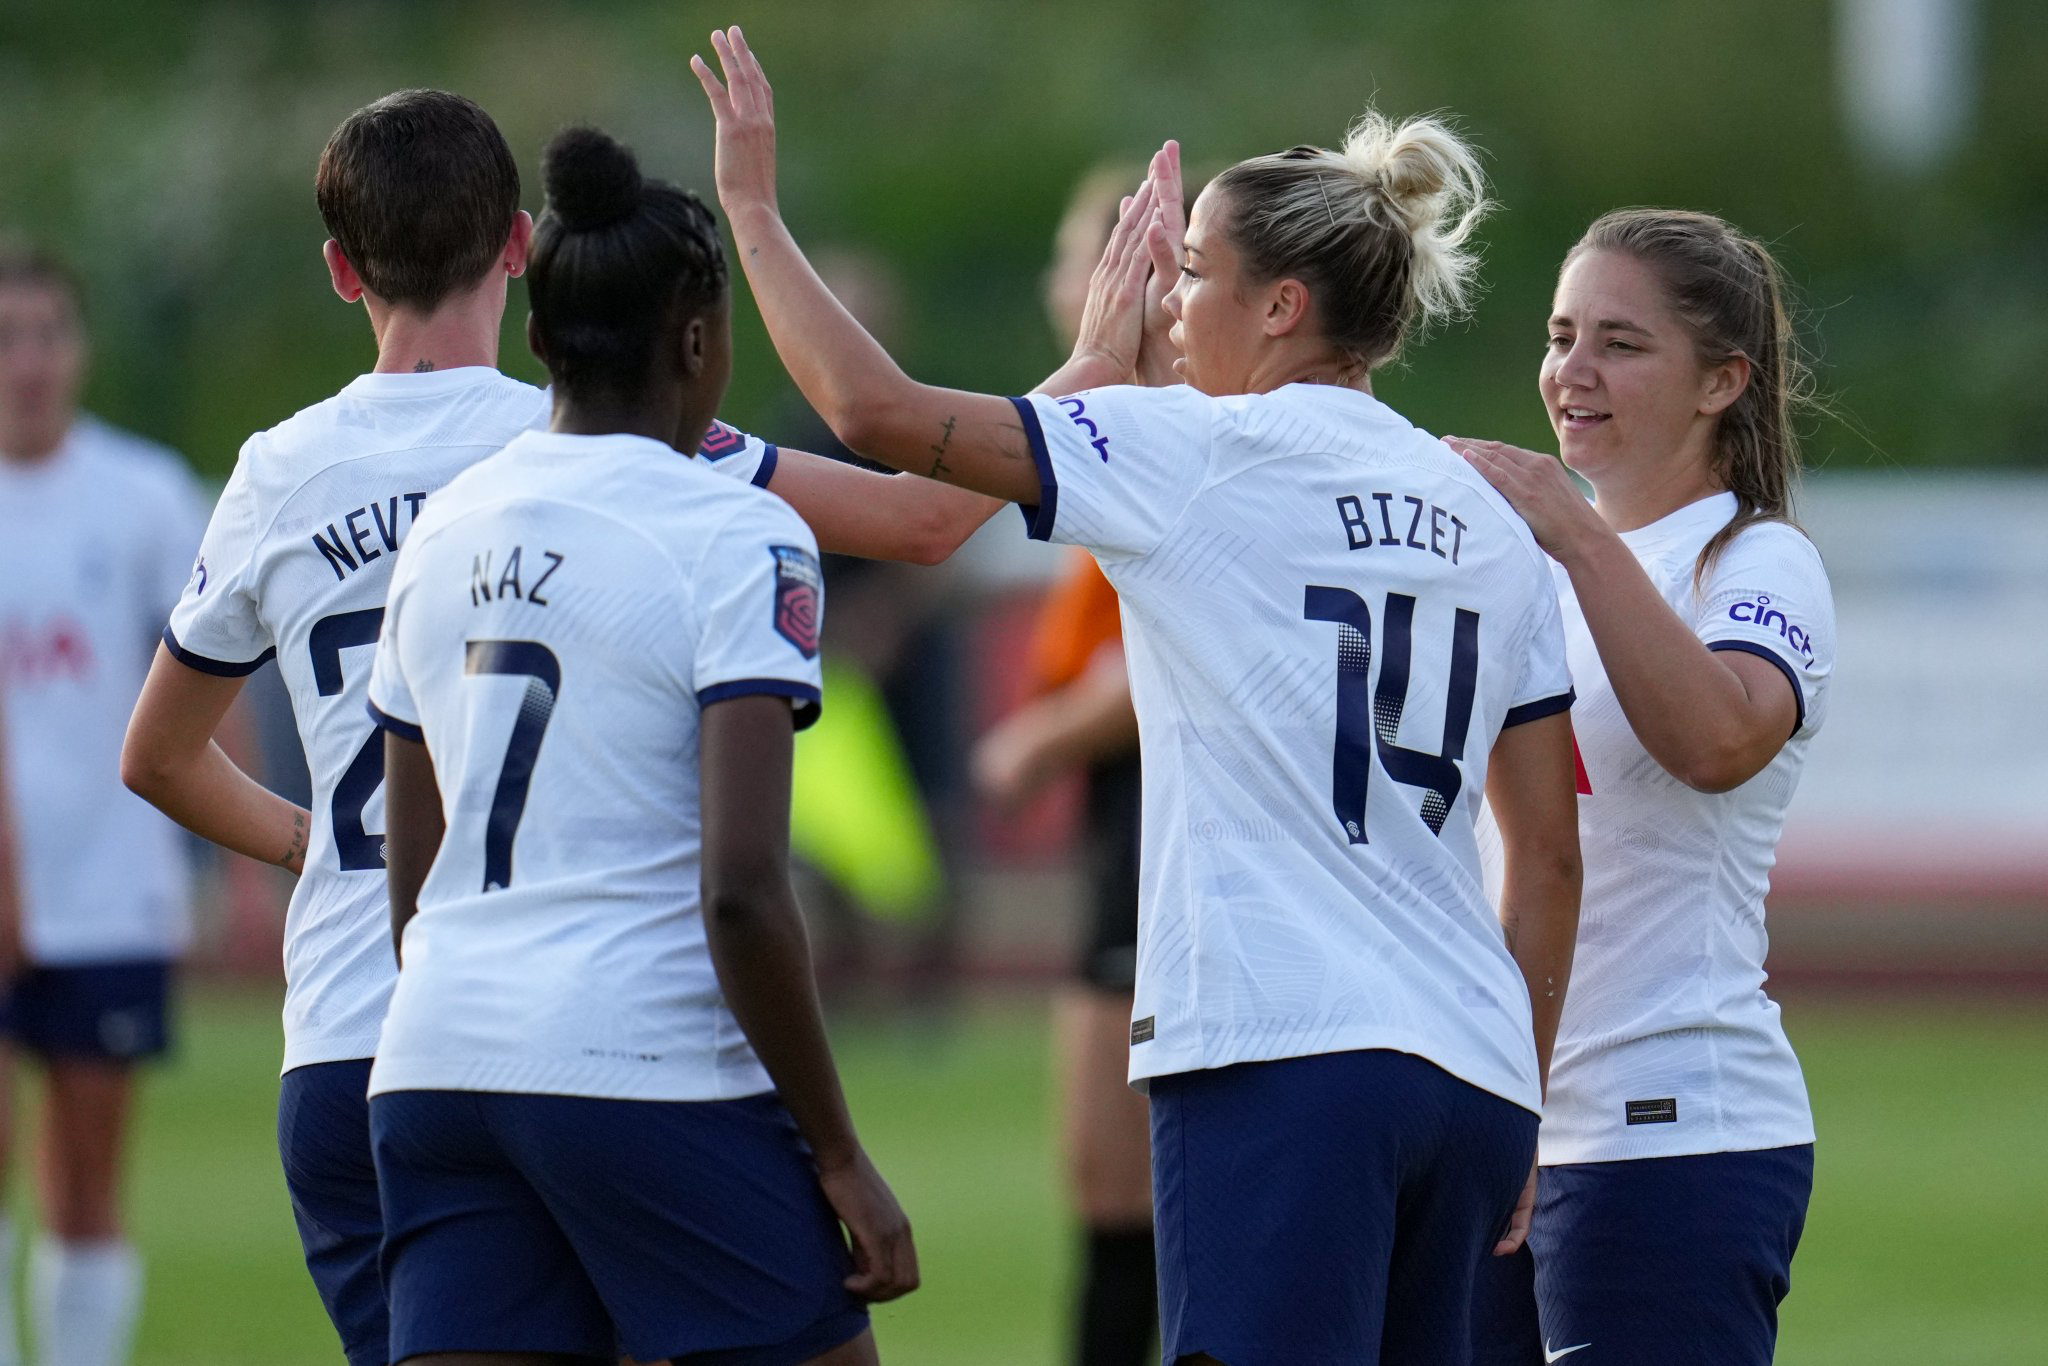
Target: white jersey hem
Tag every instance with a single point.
(304, 1052)
(1314, 1042)
(564, 1077)
(1570, 1153)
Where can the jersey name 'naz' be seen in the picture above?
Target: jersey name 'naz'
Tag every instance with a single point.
(1401, 519)
(368, 533)
(510, 579)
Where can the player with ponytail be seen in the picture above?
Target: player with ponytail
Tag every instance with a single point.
(605, 1114)
(1677, 1146)
(1338, 636)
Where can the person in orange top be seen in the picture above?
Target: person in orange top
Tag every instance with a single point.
(1080, 718)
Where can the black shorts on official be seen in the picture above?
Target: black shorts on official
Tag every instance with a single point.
(692, 1232)
(1682, 1261)
(1110, 839)
(116, 1011)
(1329, 1210)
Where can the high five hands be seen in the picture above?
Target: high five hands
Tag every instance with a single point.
(1125, 325)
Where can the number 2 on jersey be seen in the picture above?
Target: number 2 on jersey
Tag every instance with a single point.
(1369, 718)
(543, 673)
(358, 848)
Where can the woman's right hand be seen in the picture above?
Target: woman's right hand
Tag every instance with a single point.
(1165, 237)
(745, 109)
(884, 1258)
(1113, 319)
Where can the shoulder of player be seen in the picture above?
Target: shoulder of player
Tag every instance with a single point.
(1778, 540)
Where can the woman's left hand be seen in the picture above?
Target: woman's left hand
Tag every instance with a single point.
(1538, 488)
(745, 109)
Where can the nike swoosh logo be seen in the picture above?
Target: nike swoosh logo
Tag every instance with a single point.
(1549, 1356)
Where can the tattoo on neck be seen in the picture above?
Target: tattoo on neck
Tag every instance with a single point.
(294, 858)
(421, 367)
(939, 448)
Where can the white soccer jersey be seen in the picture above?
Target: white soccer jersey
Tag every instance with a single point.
(557, 624)
(1328, 618)
(94, 543)
(1669, 1045)
(296, 564)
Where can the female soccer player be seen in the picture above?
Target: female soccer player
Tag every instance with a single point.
(1677, 1143)
(1336, 1038)
(603, 1108)
(97, 532)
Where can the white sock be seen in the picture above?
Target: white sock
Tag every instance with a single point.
(10, 1334)
(84, 1298)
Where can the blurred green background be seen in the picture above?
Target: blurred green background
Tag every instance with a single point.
(170, 149)
(1913, 1256)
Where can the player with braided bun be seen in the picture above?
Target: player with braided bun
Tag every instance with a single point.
(1338, 636)
(605, 1114)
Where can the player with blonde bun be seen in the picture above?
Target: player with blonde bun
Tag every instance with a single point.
(1338, 636)
(1677, 1147)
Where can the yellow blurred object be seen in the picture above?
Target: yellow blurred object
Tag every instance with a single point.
(855, 814)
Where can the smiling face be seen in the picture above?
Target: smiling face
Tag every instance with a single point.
(1218, 324)
(1621, 376)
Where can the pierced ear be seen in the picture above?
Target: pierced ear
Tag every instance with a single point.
(518, 244)
(346, 282)
(1725, 383)
(1286, 308)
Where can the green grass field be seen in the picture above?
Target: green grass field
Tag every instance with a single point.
(1923, 1246)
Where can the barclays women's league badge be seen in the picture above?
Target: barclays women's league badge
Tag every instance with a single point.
(799, 597)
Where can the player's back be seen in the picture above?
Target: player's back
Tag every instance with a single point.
(297, 563)
(556, 625)
(1329, 618)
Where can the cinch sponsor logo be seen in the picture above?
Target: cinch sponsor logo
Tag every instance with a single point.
(1759, 612)
(1078, 411)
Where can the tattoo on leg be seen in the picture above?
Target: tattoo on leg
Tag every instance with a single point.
(938, 449)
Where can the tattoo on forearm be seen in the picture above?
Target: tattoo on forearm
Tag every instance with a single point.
(939, 448)
(294, 858)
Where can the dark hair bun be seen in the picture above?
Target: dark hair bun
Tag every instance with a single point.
(591, 179)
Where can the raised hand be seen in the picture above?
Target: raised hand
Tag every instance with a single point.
(745, 109)
(1164, 247)
(1112, 321)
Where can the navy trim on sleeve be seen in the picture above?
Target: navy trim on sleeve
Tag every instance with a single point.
(1039, 520)
(1540, 708)
(809, 701)
(219, 668)
(404, 730)
(1750, 647)
(766, 469)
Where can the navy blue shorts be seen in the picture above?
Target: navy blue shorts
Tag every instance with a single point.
(692, 1232)
(323, 1135)
(1329, 1210)
(116, 1012)
(1678, 1260)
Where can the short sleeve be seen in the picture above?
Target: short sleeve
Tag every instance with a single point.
(738, 455)
(391, 702)
(760, 610)
(1768, 595)
(1116, 467)
(1544, 685)
(216, 626)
